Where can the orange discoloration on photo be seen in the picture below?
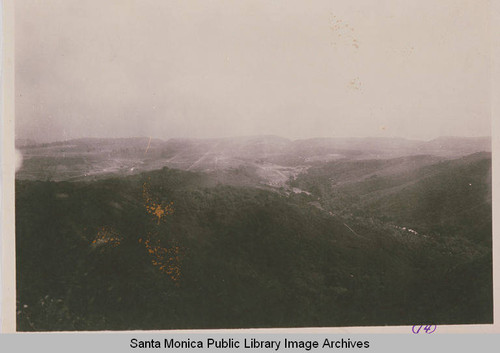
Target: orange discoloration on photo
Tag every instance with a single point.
(107, 236)
(158, 210)
(167, 260)
(344, 32)
(355, 84)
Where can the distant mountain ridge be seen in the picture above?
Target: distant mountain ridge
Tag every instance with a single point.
(445, 145)
(271, 157)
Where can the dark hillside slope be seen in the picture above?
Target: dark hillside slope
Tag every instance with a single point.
(115, 254)
(449, 197)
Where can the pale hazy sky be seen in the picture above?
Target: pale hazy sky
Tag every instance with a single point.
(298, 69)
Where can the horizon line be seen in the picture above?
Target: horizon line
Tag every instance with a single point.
(254, 136)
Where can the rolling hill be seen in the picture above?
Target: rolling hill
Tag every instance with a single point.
(271, 159)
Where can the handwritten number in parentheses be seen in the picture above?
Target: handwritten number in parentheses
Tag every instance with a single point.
(427, 329)
(430, 328)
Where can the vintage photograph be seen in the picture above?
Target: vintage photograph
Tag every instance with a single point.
(252, 164)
